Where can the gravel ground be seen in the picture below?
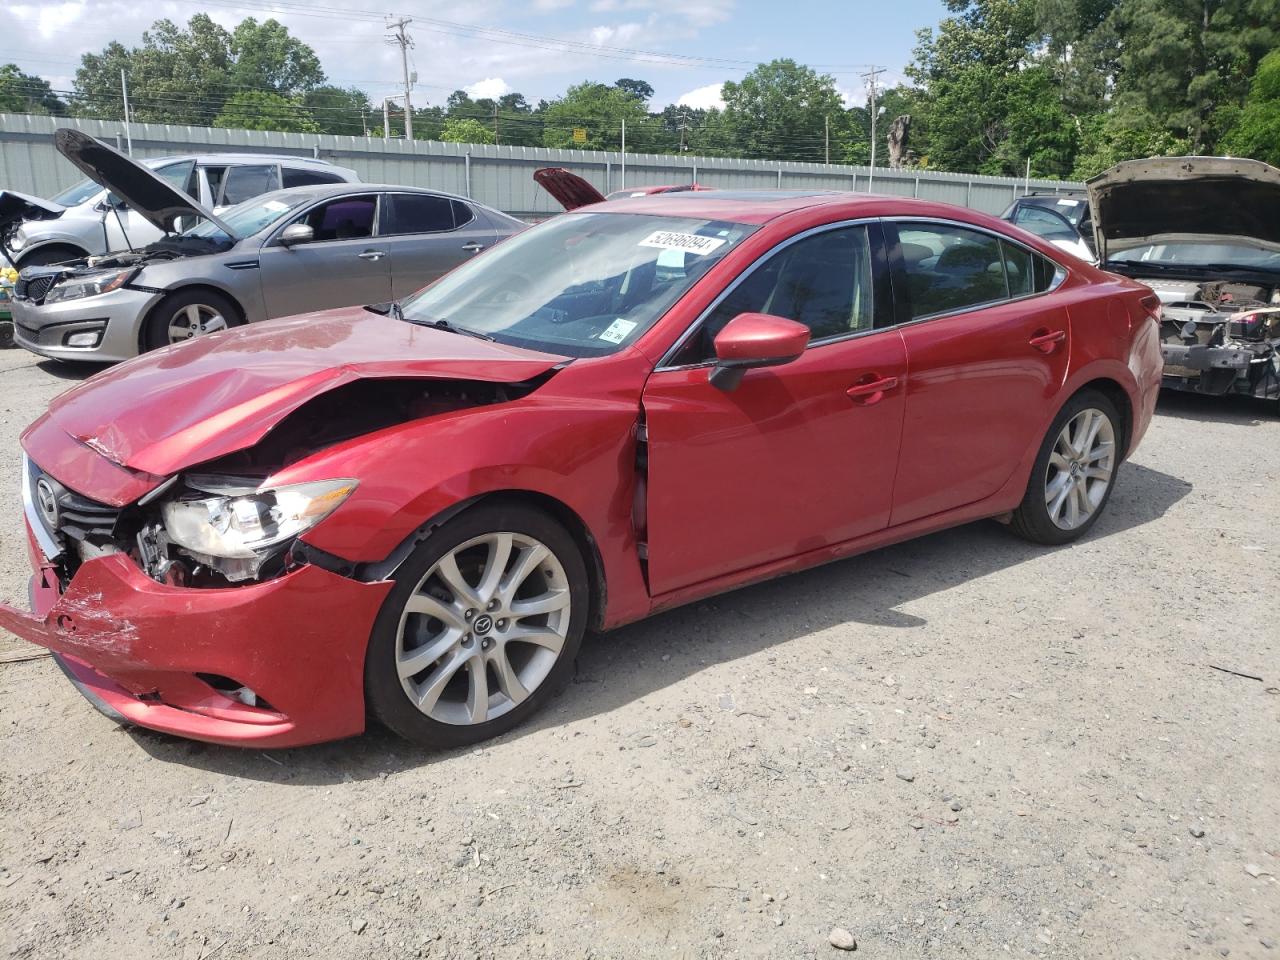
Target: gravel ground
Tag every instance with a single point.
(960, 746)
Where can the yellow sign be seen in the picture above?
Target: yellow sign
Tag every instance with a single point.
(579, 135)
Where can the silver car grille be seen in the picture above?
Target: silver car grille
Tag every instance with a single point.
(35, 289)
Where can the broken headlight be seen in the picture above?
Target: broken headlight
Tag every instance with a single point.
(90, 285)
(240, 525)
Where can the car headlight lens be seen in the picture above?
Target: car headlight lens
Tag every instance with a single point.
(243, 522)
(17, 240)
(91, 285)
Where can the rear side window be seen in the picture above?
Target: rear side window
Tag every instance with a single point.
(950, 268)
(295, 177)
(417, 213)
(245, 183)
(180, 175)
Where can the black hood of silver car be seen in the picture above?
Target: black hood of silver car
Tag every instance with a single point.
(1185, 199)
(147, 194)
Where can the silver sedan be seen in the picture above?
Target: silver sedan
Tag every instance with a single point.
(287, 252)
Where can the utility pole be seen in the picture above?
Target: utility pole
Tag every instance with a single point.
(405, 42)
(496, 137)
(826, 138)
(124, 93)
(683, 127)
(624, 155)
(386, 118)
(871, 82)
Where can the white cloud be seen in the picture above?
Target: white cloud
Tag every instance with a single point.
(697, 13)
(548, 6)
(488, 89)
(703, 98)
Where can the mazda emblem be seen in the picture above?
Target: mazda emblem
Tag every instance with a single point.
(47, 502)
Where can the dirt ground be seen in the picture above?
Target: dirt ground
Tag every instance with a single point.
(963, 746)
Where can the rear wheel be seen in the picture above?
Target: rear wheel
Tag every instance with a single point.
(188, 314)
(481, 629)
(1074, 472)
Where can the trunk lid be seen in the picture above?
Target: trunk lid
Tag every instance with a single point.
(569, 189)
(1185, 199)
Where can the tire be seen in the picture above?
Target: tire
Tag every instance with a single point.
(1067, 490)
(456, 658)
(199, 311)
(44, 256)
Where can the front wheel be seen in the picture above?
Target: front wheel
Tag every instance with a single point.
(481, 629)
(1074, 472)
(188, 314)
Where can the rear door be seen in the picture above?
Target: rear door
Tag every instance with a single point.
(798, 457)
(346, 263)
(426, 235)
(988, 352)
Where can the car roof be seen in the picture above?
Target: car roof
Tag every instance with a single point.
(736, 206)
(243, 158)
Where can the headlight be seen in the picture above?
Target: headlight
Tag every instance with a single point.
(18, 240)
(242, 522)
(73, 288)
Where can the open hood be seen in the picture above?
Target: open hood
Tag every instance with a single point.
(169, 409)
(151, 197)
(568, 188)
(1185, 199)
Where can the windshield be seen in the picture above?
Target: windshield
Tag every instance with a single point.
(581, 285)
(1200, 255)
(1071, 209)
(246, 219)
(74, 196)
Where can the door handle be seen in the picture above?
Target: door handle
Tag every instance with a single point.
(372, 254)
(473, 247)
(1046, 341)
(871, 389)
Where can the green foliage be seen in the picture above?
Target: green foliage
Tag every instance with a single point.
(257, 110)
(1256, 130)
(465, 130)
(781, 110)
(23, 93)
(598, 109)
(343, 111)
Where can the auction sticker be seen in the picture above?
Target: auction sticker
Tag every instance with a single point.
(618, 330)
(689, 242)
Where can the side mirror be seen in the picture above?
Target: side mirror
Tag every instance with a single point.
(296, 233)
(755, 340)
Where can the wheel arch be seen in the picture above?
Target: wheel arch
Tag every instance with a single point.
(76, 249)
(180, 288)
(1118, 395)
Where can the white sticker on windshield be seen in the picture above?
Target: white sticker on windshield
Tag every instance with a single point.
(690, 242)
(1067, 203)
(275, 206)
(618, 330)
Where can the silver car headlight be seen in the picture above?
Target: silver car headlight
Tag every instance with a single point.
(241, 522)
(90, 285)
(18, 240)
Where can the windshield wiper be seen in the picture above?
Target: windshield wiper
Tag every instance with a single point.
(444, 325)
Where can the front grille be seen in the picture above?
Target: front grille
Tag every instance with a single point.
(77, 517)
(34, 289)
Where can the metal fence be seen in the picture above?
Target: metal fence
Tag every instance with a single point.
(500, 176)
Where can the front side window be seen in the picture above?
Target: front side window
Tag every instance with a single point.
(580, 285)
(823, 281)
(180, 176)
(416, 213)
(950, 268)
(245, 183)
(347, 218)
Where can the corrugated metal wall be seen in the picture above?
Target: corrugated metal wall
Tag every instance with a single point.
(500, 176)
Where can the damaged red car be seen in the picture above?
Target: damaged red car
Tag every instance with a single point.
(414, 512)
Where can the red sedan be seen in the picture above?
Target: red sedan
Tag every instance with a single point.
(416, 511)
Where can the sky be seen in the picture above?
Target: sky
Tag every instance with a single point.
(536, 47)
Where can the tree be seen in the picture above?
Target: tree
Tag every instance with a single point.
(1256, 132)
(639, 89)
(266, 57)
(258, 110)
(465, 130)
(23, 93)
(343, 111)
(599, 110)
(780, 110)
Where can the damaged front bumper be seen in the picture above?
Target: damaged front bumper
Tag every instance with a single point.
(169, 658)
(1252, 369)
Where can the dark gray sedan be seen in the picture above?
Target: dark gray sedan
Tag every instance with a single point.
(287, 252)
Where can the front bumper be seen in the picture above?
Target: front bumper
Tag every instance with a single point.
(1221, 370)
(137, 649)
(115, 317)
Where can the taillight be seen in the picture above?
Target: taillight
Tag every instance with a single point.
(1153, 306)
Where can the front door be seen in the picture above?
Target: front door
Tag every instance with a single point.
(799, 456)
(344, 265)
(987, 356)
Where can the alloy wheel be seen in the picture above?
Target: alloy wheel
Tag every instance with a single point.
(483, 629)
(1080, 468)
(194, 320)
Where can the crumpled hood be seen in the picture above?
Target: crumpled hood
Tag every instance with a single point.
(179, 406)
(1186, 199)
(15, 206)
(141, 188)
